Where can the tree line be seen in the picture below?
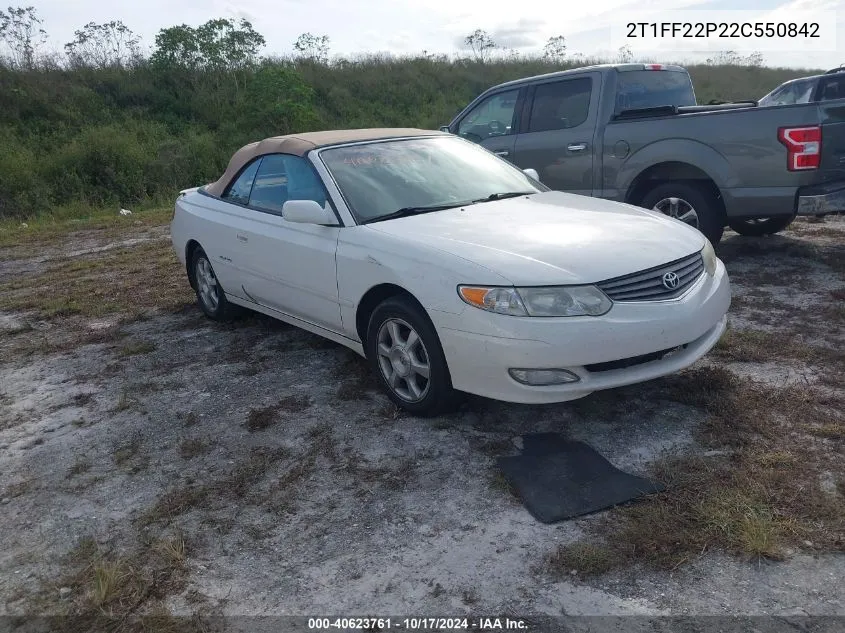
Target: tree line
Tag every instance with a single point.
(227, 43)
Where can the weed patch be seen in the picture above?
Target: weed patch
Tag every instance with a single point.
(136, 348)
(105, 590)
(190, 448)
(756, 500)
(263, 418)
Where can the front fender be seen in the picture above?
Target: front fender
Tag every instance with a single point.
(366, 259)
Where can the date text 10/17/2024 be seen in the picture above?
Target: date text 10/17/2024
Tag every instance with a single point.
(418, 624)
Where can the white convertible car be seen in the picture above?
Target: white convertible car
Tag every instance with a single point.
(450, 269)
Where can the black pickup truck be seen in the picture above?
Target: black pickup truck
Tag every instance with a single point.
(633, 133)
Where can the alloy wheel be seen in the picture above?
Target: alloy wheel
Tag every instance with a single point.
(207, 285)
(679, 209)
(403, 360)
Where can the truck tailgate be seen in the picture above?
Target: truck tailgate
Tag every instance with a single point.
(832, 116)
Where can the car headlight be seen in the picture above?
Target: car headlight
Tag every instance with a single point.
(709, 257)
(546, 301)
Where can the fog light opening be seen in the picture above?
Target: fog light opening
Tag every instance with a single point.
(543, 377)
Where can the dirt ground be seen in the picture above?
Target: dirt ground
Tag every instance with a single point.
(153, 461)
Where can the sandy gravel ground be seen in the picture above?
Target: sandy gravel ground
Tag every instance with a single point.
(151, 458)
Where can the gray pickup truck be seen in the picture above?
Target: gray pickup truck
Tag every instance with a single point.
(633, 133)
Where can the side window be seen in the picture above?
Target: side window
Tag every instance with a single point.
(238, 191)
(284, 177)
(833, 88)
(560, 105)
(491, 117)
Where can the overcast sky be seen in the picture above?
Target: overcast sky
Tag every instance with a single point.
(408, 26)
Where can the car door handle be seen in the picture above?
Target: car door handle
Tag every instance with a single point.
(577, 147)
(501, 152)
(242, 237)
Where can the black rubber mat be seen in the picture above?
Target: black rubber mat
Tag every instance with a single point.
(559, 479)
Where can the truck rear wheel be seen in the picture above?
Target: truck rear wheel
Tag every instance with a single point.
(754, 227)
(690, 203)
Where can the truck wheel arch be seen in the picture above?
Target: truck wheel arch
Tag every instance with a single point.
(674, 159)
(668, 171)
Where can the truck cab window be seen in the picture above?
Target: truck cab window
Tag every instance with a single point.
(560, 105)
(833, 88)
(492, 117)
(652, 89)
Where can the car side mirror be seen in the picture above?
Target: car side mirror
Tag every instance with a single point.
(307, 212)
(445, 128)
(531, 173)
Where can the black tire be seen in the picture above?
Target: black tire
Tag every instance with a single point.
(435, 394)
(708, 211)
(755, 227)
(222, 310)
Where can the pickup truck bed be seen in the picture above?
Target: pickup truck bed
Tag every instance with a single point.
(739, 150)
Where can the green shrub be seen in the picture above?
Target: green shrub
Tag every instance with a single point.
(21, 190)
(87, 137)
(102, 165)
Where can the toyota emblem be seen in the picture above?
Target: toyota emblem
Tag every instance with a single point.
(671, 280)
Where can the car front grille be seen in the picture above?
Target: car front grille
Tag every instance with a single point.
(653, 284)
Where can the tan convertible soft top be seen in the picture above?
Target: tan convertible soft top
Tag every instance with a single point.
(301, 144)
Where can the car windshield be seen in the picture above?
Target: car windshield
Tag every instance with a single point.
(380, 179)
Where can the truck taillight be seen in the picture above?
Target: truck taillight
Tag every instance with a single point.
(654, 66)
(803, 147)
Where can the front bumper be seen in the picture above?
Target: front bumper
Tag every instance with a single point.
(479, 354)
(821, 199)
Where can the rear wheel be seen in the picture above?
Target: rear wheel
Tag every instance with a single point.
(753, 227)
(405, 353)
(210, 295)
(690, 203)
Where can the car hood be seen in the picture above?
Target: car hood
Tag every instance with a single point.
(552, 237)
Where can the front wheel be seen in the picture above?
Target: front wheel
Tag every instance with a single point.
(755, 227)
(405, 353)
(689, 203)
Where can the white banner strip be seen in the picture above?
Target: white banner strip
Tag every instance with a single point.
(740, 31)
